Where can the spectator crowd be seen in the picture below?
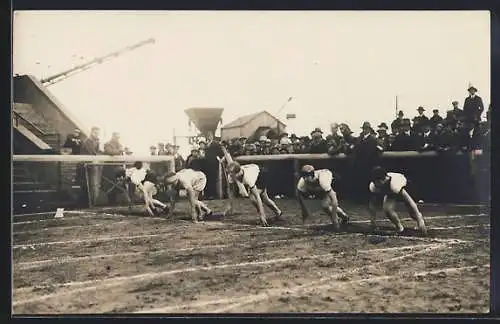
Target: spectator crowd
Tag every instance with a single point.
(460, 130)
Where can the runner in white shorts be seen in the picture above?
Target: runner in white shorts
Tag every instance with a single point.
(319, 182)
(387, 188)
(145, 180)
(254, 180)
(194, 183)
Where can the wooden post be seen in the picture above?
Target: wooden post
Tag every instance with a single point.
(219, 181)
(87, 181)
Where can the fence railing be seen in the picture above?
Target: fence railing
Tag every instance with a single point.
(438, 177)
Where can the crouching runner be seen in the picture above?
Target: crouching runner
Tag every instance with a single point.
(146, 181)
(194, 183)
(387, 188)
(254, 180)
(319, 183)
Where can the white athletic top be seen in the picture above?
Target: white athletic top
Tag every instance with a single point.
(397, 182)
(190, 177)
(136, 175)
(250, 174)
(322, 180)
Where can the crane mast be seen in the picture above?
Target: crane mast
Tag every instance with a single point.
(83, 67)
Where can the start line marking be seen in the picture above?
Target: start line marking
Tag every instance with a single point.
(113, 282)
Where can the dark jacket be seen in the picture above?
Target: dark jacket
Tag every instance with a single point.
(404, 142)
(74, 143)
(318, 148)
(90, 147)
(473, 107)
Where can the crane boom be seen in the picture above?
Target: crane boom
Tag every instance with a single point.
(82, 67)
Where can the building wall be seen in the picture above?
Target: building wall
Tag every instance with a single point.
(262, 120)
(29, 90)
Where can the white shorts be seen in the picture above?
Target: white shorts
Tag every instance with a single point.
(200, 182)
(150, 189)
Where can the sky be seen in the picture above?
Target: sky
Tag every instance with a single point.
(339, 66)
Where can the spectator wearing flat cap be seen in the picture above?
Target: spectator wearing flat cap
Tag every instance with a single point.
(454, 115)
(435, 119)
(473, 106)
(318, 144)
(420, 120)
(398, 122)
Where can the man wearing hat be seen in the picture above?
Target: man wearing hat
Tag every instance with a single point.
(74, 142)
(383, 137)
(152, 150)
(454, 115)
(366, 154)
(405, 140)
(419, 120)
(318, 144)
(398, 122)
(473, 106)
(435, 119)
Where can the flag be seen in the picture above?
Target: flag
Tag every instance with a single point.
(290, 99)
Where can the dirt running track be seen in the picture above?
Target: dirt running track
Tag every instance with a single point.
(114, 261)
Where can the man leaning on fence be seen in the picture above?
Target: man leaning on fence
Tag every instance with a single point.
(90, 146)
(113, 148)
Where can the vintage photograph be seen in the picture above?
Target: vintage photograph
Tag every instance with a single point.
(251, 162)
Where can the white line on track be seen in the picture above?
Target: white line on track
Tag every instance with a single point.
(311, 286)
(45, 229)
(91, 240)
(238, 301)
(264, 296)
(113, 282)
(168, 234)
(41, 263)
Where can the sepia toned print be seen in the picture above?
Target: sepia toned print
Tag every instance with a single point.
(251, 162)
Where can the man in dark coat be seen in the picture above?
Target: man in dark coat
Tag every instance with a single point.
(405, 140)
(419, 120)
(435, 119)
(383, 137)
(74, 142)
(365, 155)
(473, 106)
(212, 153)
(398, 122)
(318, 144)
